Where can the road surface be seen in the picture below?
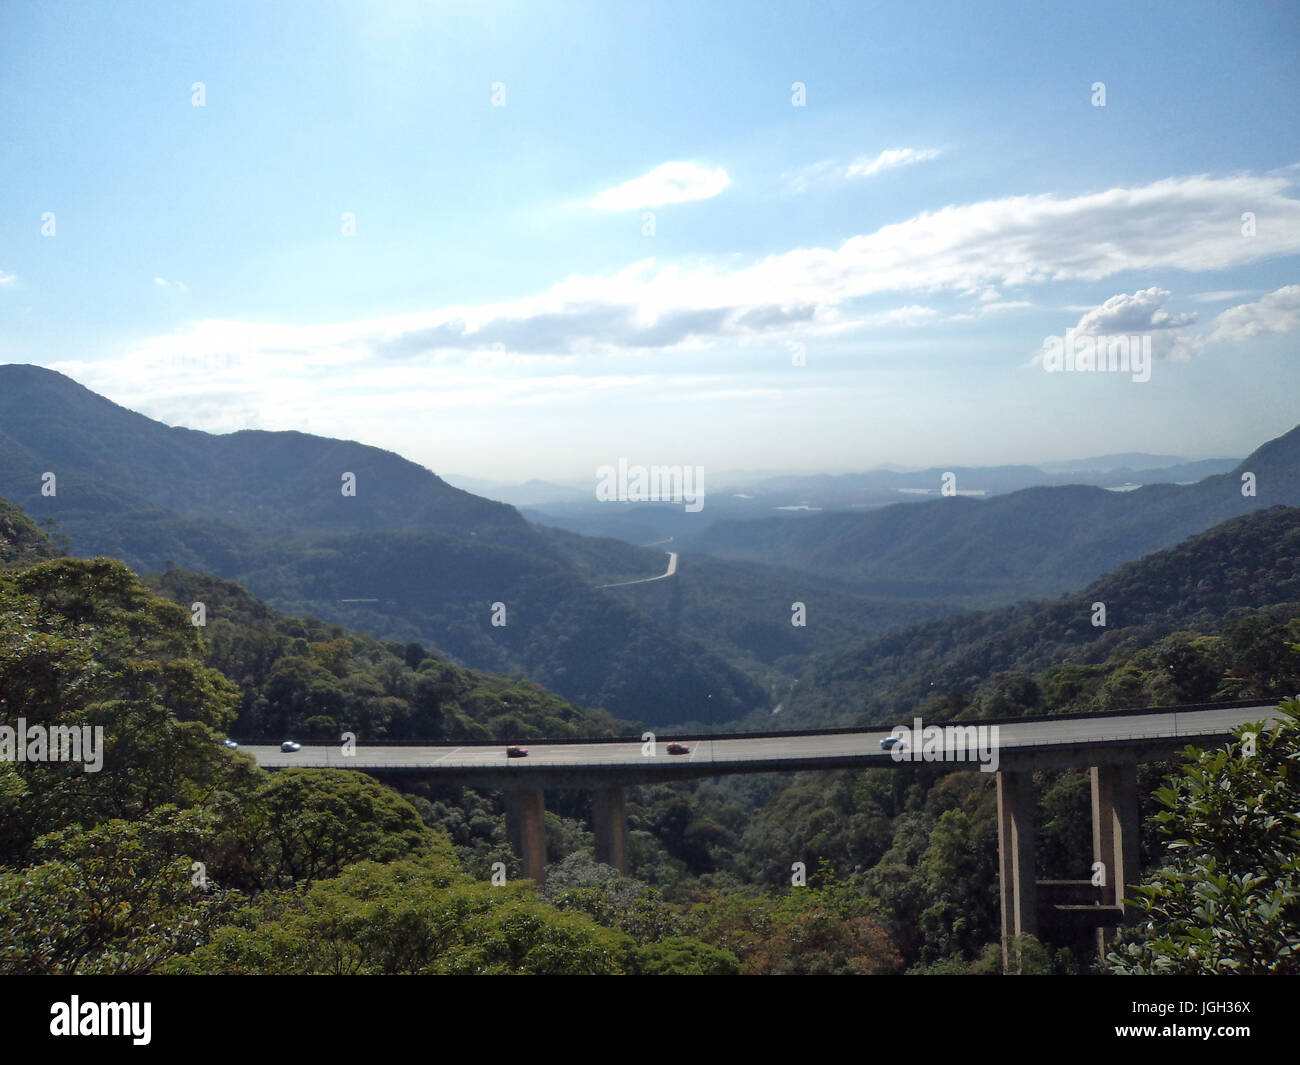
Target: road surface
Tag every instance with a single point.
(672, 568)
(1077, 735)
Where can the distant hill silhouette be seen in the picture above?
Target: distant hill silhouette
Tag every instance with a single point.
(1034, 542)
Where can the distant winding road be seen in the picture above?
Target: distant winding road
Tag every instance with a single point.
(672, 568)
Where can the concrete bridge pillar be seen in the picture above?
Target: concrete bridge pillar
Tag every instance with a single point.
(526, 829)
(609, 820)
(1115, 836)
(1016, 842)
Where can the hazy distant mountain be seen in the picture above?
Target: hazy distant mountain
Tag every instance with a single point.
(411, 557)
(1122, 460)
(530, 493)
(789, 495)
(1034, 542)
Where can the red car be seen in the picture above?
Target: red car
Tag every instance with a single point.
(516, 751)
(678, 748)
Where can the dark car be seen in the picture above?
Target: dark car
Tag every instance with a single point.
(288, 746)
(678, 748)
(515, 751)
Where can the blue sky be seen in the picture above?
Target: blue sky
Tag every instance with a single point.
(947, 197)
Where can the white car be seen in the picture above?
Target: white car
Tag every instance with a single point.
(288, 746)
(231, 744)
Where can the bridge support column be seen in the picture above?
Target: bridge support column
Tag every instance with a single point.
(609, 820)
(526, 829)
(1115, 839)
(1016, 841)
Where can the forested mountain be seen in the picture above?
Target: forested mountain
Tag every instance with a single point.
(1241, 566)
(1036, 542)
(407, 558)
(304, 678)
(110, 460)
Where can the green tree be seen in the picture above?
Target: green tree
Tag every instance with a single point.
(123, 897)
(410, 917)
(83, 643)
(305, 825)
(1227, 899)
(683, 956)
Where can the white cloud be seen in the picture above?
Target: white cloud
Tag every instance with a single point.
(162, 282)
(1139, 314)
(1223, 295)
(666, 184)
(1188, 224)
(913, 314)
(1142, 312)
(1278, 312)
(865, 166)
(979, 250)
(7, 279)
(992, 307)
(862, 167)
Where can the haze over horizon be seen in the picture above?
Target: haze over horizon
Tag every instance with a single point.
(507, 243)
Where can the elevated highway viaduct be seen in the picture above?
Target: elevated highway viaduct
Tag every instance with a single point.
(1109, 745)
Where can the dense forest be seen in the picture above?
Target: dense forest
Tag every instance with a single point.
(183, 856)
(301, 677)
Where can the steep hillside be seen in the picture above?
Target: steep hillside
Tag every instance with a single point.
(1245, 564)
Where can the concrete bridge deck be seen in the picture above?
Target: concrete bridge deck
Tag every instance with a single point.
(1039, 744)
(1110, 745)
